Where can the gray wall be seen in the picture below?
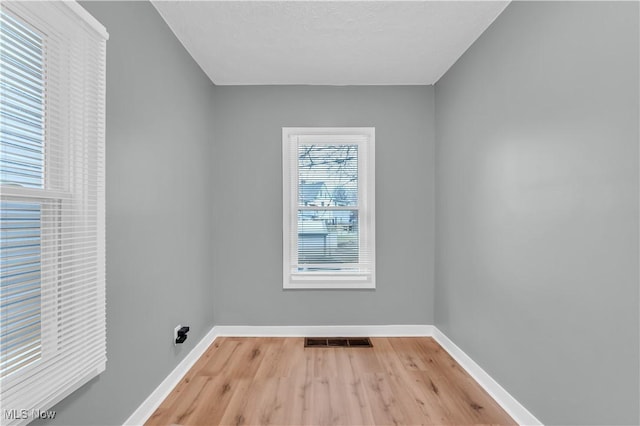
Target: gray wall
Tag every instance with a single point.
(537, 208)
(158, 211)
(247, 192)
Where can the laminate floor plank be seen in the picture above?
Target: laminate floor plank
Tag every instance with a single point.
(276, 381)
(276, 360)
(325, 364)
(185, 389)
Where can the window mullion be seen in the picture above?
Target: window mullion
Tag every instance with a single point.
(9, 191)
(328, 208)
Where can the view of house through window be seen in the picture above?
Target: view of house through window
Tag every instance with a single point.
(327, 206)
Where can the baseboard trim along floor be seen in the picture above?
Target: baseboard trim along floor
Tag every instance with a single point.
(516, 410)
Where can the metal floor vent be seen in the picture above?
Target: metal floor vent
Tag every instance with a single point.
(337, 342)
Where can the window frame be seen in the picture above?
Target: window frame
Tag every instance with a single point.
(364, 137)
(72, 200)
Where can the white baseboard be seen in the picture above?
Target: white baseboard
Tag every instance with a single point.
(325, 330)
(516, 410)
(153, 401)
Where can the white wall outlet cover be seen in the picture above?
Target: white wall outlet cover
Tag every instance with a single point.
(175, 334)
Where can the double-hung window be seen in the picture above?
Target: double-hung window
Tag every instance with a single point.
(52, 268)
(328, 207)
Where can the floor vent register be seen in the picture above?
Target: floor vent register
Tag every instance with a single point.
(337, 342)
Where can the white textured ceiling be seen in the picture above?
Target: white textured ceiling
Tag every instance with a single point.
(327, 42)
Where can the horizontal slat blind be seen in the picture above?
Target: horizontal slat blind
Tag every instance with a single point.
(328, 239)
(21, 165)
(21, 104)
(330, 228)
(20, 298)
(52, 176)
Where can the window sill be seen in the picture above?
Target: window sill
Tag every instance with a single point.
(323, 283)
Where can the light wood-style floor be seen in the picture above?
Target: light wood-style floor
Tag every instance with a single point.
(259, 381)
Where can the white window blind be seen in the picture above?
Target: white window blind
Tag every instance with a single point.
(52, 212)
(328, 208)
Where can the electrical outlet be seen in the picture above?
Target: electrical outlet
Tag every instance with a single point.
(175, 334)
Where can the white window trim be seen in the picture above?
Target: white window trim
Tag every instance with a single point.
(366, 197)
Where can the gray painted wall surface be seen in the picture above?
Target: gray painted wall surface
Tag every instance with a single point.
(537, 192)
(158, 211)
(537, 208)
(247, 199)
